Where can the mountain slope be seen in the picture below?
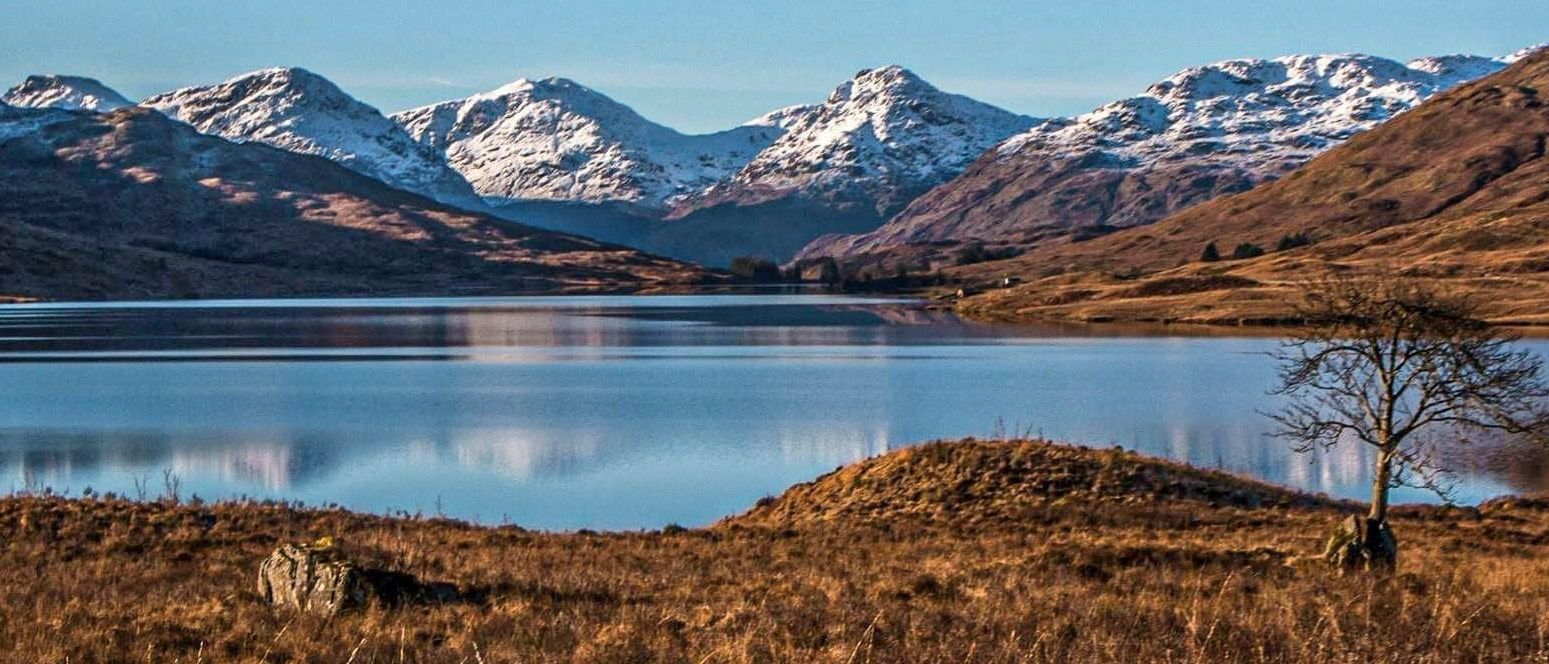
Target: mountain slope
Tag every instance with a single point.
(296, 110)
(1199, 134)
(133, 204)
(70, 93)
(878, 141)
(557, 140)
(1455, 190)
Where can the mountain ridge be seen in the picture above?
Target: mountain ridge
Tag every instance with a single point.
(294, 109)
(885, 161)
(1198, 134)
(556, 140)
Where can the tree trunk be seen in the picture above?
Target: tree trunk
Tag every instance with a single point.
(1384, 475)
(1368, 543)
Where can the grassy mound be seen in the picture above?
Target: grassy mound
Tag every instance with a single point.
(986, 482)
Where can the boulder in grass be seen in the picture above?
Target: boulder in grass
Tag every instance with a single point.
(312, 578)
(1359, 543)
(319, 578)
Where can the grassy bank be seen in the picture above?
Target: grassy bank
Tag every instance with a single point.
(1195, 295)
(963, 552)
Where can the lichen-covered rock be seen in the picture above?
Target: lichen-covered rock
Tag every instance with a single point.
(319, 578)
(1359, 543)
(313, 578)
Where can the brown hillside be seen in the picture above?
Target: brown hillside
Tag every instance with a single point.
(1027, 199)
(133, 204)
(1456, 189)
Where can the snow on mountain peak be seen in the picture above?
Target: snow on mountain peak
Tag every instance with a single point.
(555, 139)
(1522, 53)
(296, 110)
(293, 79)
(1462, 67)
(1259, 114)
(894, 72)
(70, 93)
(879, 138)
(560, 90)
(874, 81)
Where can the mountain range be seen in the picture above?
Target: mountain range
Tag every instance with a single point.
(562, 155)
(764, 188)
(1194, 136)
(886, 173)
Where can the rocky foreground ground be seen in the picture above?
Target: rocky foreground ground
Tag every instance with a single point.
(952, 552)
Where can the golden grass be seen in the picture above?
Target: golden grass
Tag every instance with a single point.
(968, 552)
(1267, 294)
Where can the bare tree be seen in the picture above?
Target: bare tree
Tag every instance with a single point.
(1392, 365)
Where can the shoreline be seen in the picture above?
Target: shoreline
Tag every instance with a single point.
(971, 309)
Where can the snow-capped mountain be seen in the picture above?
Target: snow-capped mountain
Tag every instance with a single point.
(70, 93)
(556, 140)
(299, 111)
(878, 140)
(1253, 113)
(1200, 133)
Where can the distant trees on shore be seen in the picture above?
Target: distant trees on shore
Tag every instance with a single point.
(1245, 250)
(756, 269)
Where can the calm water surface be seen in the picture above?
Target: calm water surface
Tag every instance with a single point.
(598, 412)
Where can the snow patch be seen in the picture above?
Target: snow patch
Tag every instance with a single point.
(69, 93)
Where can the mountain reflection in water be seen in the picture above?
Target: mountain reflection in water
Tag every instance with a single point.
(606, 412)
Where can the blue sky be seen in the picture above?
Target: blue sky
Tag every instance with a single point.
(701, 66)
